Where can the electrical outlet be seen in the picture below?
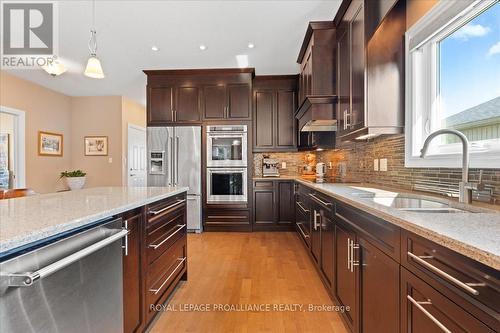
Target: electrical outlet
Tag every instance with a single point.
(110, 160)
(375, 164)
(283, 165)
(383, 164)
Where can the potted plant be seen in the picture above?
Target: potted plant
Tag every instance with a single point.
(74, 179)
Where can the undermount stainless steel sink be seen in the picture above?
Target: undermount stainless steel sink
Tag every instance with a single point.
(409, 203)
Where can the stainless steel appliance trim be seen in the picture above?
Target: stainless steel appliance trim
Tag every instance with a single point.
(301, 231)
(324, 203)
(156, 212)
(445, 275)
(227, 198)
(238, 131)
(156, 291)
(155, 246)
(27, 279)
(427, 313)
(302, 207)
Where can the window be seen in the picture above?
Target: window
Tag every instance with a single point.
(453, 81)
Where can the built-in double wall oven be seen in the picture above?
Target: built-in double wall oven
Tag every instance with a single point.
(227, 164)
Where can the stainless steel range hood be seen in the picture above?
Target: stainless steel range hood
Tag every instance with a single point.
(317, 114)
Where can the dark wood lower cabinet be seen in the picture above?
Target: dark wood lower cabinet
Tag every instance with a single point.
(378, 290)
(327, 247)
(274, 205)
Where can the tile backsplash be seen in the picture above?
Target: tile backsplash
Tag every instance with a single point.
(353, 161)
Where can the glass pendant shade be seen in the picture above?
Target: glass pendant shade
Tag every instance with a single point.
(54, 68)
(94, 68)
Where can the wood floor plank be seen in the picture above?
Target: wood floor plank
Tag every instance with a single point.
(260, 268)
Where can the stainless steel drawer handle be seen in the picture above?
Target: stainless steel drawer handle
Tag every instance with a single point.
(324, 203)
(427, 313)
(27, 279)
(299, 225)
(445, 275)
(353, 262)
(348, 254)
(302, 207)
(155, 246)
(156, 291)
(156, 212)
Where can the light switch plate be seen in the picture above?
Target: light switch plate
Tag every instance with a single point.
(283, 165)
(383, 164)
(375, 164)
(110, 160)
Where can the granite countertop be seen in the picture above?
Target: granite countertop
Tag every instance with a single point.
(474, 234)
(30, 219)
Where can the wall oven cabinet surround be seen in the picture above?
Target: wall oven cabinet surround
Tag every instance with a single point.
(227, 185)
(192, 96)
(227, 145)
(274, 105)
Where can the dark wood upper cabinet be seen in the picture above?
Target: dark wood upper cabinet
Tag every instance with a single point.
(160, 105)
(187, 104)
(214, 106)
(357, 28)
(194, 95)
(275, 102)
(239, 101)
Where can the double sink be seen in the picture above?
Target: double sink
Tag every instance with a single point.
(406, 202)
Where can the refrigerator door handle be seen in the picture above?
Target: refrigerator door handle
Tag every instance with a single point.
(171, 156)
(177, 161)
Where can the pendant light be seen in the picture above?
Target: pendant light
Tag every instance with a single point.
(94, 68)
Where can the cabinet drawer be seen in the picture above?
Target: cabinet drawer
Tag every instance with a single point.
(460, 274)
(324, 201)
(381, 233)
(424, 309)
(161, 237)
(227, 216)
(263, 184)
(165, 210)
(164, 271)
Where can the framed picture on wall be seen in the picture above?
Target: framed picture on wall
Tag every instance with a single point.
(4, 151)
(96, 145)
(50, 144)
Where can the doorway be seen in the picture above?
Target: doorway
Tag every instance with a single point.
(136, 156)
(12, 148)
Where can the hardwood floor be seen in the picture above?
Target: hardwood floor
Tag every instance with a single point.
(260, 268)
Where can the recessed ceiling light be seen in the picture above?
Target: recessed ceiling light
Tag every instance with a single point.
(155, 48)
(203, 47)
(251, 45)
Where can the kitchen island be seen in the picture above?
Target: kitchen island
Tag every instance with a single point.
(142, 231)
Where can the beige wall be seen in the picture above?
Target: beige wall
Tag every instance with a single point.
(134, 114)
(46, 110)
(75, 118)
(97, 116)
(415, 9)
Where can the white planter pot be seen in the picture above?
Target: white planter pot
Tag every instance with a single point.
(75, 183)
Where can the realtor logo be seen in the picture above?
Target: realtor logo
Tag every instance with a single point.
(28, 33)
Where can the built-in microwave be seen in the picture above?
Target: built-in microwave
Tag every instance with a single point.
(227, 185)
(227, 146)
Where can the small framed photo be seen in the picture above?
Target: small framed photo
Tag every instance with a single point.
(50, 144)
(96, 145)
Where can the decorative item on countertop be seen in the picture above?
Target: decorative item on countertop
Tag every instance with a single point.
(74, 179)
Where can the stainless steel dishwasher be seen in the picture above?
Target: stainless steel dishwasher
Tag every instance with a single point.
(72, 284)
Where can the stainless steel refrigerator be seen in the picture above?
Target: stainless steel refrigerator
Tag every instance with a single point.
(174, 159)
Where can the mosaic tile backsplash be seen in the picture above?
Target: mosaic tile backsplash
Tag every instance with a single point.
(353, 161)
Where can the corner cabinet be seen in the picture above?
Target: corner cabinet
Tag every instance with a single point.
(274, 105)
(192, 96)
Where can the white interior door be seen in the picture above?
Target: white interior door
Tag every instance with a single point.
(12, 148)
(136, 159)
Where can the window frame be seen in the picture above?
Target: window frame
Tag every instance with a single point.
(422, 88)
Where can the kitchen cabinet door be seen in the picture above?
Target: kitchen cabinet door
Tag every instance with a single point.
(214, 98)
(187, 103)
(285, 127)
(327, 247)
(379, 290)
(423, 309)
(346, 278)
(303, 217)
(160, 105)
(316, 234)
(264, 201)
(132, 291)
(343, 77)
(238, 106)
(285, 199)
(264, 109)
(357, 40)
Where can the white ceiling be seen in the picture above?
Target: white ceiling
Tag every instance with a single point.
(126, 31)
